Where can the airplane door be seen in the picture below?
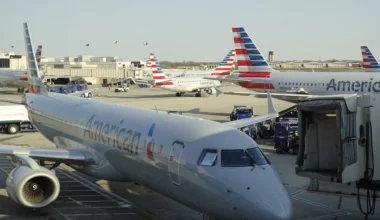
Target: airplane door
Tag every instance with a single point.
(174, 161)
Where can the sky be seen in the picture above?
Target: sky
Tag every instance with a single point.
(196, 30)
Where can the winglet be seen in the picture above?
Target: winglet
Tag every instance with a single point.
(271, 108)
(36, 85)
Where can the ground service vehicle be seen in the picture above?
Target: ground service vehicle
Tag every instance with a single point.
(285, 133)
(14, 118)
(240, 112)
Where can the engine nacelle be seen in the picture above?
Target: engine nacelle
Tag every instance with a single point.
(33, 188)
(211, 91)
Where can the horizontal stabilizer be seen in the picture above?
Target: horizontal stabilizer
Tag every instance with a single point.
(272, 113)
(54, 155)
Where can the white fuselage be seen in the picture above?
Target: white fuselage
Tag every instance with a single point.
(319, 83)
(13, 78)
(161, 151)
(189, 84)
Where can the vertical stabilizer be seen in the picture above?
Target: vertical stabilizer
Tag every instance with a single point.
(36, 85)
(225, 67)
(38, 56)
(250, 61)
(370, 63)
(156, 68)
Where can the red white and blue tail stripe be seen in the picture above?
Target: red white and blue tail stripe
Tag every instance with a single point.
(251, 63)
(156, 68)
(225, 67)
(148, 65)
(370, 63)
(36, 85)
(160, 78)
(38, 57)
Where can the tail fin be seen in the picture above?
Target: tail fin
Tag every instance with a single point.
(156, 68)
(36, 85)
(38, 56)
(148, 64)
(225, 67)
(250, 61)
(369, 61)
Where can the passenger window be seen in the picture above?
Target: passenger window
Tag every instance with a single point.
(235, 158)
(208, 157)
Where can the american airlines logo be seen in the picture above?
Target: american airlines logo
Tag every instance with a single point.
(353, 86)
(122, 138)
(113, 135)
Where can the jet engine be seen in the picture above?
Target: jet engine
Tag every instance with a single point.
(211, 91)
(32, 188)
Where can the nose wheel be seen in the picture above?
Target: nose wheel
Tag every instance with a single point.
(198, 94)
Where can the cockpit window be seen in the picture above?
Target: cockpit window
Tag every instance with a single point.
(208, 157)
(257, 155)
(235, 158)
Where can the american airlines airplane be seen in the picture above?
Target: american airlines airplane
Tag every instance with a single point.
(17, 78)
(191, 84)
(172, 74)
(209, 166)
(256, 74)
(370, 63)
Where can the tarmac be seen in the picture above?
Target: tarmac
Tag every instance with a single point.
(83, 197)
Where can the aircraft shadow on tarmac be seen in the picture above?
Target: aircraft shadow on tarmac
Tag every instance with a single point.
(9, 138)
(170, 95)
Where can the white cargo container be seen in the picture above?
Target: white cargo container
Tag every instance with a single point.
(15, 118)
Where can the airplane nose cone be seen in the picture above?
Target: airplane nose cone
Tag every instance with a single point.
(278, 206)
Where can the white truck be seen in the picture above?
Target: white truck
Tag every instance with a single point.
(14, 119)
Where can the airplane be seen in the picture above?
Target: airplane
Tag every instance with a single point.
(370, 63)
(17, 78)
(256, 74)
(191, 84)
(223, 68)
(209, 166)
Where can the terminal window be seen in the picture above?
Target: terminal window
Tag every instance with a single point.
(4, 63)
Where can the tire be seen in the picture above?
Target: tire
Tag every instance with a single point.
(82, 95)
(279, 150)
(13, 129)
(89, 95)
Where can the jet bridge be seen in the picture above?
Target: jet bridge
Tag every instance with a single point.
(339, 142)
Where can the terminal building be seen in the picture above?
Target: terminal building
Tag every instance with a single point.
(12, 61)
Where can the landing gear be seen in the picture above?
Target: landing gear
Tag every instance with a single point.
(18, 90)
(178, 94)
(198, 94)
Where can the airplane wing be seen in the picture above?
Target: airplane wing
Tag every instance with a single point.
(78, 93)
(272, 113)
(295, 95)
(272, 94)
(80, 157)
(138, 81)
